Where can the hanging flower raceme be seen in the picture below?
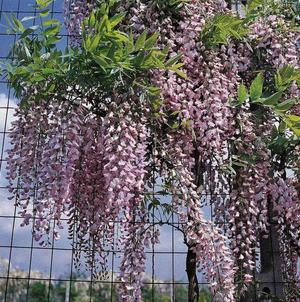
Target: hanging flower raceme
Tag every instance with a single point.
(199, 101)
(275, 41)
(213, 257)
(75, 11)
(88, 204)
(247, 207)
(109, 179)
(202, 103)
(133, 262)
(286, 206)
(269, 44)
(89, 168)
(212, 254)
(45, 140)
(203, 98)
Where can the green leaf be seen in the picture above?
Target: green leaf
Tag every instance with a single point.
(116, 19)
(149, 43)
(94, 43)
(180, 73)
(149, 61)
(296, 131)
(140, 42)
(27, 52)
(21, 70)
(282, 127)
(18, 24)
(156, 104)
(52, 31)
(293, 122)
(23, 104)
(242, 93)
(173, 60)
(51, 22)
(37, 78)
(167, 207)
(154, 204)
(138, 60)
(9, 22)
(49, 71)
(118, 36)
(176, 66)
(285, 76)
(293, 118)
(52, 40)
(42, 4)
(286, 105)
(44, 13)
(254, 4)
(26, 33)
(273, 99)
(153, 90)
(130, 44)
(256, 87)
(92, 20)
(221, 29)
(101, 61)
(103, 25)
(287, 72)
(175, 125)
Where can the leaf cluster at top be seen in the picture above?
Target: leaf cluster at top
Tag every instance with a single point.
(107, 60)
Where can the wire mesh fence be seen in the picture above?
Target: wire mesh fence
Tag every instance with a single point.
(29, 272)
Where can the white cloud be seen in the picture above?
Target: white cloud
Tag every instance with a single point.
(5, 101)
(6, 117)
(7, 105)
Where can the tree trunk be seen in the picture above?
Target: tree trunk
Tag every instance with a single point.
(191, 269)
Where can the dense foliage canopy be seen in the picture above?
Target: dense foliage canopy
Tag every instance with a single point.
(179, 98)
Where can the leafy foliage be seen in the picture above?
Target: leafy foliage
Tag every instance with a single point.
(275, 101)
(221, 29)
(108, 59)
(226, 27)
(255, 8)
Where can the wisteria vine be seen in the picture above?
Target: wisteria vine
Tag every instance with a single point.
(194, 99)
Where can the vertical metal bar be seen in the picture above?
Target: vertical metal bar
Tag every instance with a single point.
(1, 161)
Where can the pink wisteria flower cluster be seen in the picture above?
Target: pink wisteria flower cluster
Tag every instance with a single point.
(98, 169)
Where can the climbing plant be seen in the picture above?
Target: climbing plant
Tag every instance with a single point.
(173, 98)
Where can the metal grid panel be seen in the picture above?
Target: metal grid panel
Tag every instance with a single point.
(31, 273)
